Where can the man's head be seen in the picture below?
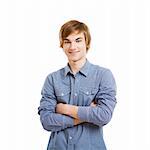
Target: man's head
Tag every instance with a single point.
(72, 27)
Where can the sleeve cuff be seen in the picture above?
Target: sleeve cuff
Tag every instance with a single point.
(83, 113)
(68, 122)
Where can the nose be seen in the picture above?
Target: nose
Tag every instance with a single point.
(73, 45)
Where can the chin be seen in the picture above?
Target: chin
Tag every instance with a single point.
(74, 60)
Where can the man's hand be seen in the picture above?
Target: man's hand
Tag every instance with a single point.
(93, 104)
(70, 110)
(77, 121)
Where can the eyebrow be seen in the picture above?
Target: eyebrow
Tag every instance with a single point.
(75, 39)
(79, 38)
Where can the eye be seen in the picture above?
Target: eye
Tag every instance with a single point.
(67, 42)
(78, 41)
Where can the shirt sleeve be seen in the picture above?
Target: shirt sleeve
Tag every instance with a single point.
(51, 121)
(106, 101)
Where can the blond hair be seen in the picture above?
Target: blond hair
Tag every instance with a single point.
(72, 26)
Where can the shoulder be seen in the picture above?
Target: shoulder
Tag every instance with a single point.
(101, 70)
(102, 73)
(56, 74)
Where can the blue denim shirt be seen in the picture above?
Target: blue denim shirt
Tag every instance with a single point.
(91, 83)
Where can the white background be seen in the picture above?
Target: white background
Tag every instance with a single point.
(29, 51)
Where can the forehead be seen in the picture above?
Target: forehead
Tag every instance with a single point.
(75, 35)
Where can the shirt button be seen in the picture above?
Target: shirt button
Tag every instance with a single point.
(62, 94)
(75, 94)
(70, 137)
(87, 92)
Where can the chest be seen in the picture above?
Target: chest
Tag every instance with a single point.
(80, 91)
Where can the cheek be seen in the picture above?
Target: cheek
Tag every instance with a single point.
(65, 50)
(82, 46)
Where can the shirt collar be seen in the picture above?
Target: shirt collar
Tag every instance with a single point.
(67, 69)
(84, 70)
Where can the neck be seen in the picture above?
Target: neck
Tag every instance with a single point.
(77, 65)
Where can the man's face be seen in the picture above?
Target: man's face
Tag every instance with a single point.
(75, 47)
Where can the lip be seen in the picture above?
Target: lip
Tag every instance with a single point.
(73, 52)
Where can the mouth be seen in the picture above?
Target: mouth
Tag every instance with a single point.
(73, 52)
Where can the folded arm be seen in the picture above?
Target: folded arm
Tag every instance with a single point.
(51, 120)
(70, 110)
(102, 112)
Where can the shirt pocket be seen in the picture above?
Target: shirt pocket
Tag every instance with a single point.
(87, 95)
(62, 95)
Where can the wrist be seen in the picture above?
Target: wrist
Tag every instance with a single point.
(77, 121)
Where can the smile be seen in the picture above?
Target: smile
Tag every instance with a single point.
(73, 52)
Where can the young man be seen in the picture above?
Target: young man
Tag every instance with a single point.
(79, 99)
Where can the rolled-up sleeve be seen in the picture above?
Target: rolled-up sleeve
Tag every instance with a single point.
(106, 101)
(50, 120)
